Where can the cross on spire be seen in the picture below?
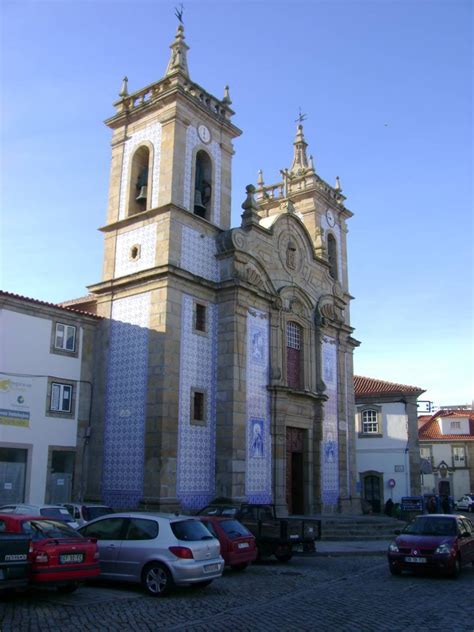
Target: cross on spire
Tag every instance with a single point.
(301, 117)
(179, 13)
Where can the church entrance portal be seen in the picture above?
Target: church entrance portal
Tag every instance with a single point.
(372, 486)
(295, 470)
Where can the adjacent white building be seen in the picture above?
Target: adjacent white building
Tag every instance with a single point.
(387, 453)
(46, 388)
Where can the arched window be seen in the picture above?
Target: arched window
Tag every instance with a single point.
(294, 339)
(203, 185)
(139, 185)
(332, 256)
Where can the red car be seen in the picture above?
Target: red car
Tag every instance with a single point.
(238, 547)
(59, 556)
(433, 542)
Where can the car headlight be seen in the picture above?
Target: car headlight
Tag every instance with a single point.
(444, 548)
(393, 548)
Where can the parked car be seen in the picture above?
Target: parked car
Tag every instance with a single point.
(59, 556)
(281, 537)
(442, 542)
(85, 512)
(238, 545)
(157, 550)
(55, 512)
(15, 552)
(465, 503)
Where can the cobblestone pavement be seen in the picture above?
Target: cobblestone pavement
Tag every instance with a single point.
(350, 593)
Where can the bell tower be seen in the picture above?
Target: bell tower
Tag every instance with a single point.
(169, 200)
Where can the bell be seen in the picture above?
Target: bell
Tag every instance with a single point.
(142, 195)
(199, 208)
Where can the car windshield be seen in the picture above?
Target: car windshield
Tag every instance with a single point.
(43, 529)
(432, 526)
(234, 529)
(190, 530)
(91, 513)
(57, 512)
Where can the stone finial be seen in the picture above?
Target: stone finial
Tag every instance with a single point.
(124, 89)
(338, 185)
(260, 181)
(311, 162)
(226, 98)
(300, 160)
(178, 61)
(250, 216)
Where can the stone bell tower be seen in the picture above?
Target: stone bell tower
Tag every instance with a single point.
(170, 196)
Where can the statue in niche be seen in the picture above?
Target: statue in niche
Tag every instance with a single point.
(291, 255)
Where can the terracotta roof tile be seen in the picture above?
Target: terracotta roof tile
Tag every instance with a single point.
(430, 430)
(26, 299)
(370, 386)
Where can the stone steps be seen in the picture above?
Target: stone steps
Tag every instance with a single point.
(359, 528)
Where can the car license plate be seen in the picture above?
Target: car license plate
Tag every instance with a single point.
(243, 545)
(71, 558)
(416, 560)
(210, 568)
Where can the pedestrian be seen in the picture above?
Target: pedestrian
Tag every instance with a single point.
(445, 504)
(388, 507)
(431, 504)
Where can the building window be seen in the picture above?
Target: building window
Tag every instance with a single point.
(459, 456)
(293, 355)
(370, 424)
(455, 425)
(425, 453)
(198, 407)
(202, 185)
(61, 397)
(65, 337)
(332, 256)
(200, 317)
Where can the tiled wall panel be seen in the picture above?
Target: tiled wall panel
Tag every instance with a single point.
(197, 443)
(329, 447)
(198, 254)
(125, 401)
(143, 237)
(258, 483)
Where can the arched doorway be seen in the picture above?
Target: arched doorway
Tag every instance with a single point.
(295, 470)
(372, 489)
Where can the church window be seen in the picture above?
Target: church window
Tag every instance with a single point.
(135, 252)
(198, 407)
(370, 423)
(200, 313)
(139, 181)
(202, 185)
(332, 256)
(293, 355)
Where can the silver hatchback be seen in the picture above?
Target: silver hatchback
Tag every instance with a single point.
(157, 550)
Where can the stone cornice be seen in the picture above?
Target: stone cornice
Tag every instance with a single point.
(320, 397)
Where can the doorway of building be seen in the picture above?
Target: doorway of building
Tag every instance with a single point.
(12, 475)
(372, 488)
(60, 478)
(295, 470)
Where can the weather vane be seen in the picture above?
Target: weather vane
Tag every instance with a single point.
(301, 117)
(179, 12)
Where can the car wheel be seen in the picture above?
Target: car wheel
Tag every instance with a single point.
(394, 570)
(456, 568)
(68, 588)
(239, 567)
(157, 579)
(283, 557)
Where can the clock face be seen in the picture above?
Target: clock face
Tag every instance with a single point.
(204, 133)
(330, 217)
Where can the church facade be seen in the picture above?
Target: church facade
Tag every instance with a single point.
(226, 366)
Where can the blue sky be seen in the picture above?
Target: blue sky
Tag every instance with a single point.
(386, 86)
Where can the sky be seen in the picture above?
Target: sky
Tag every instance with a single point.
(387, 89)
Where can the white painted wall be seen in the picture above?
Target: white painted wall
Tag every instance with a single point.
(25, 349)
(383, 454)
